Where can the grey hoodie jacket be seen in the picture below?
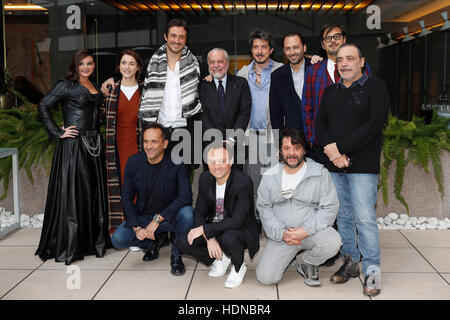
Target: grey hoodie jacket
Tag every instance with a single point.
(314, 203)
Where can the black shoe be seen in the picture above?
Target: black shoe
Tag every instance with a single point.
(348, 270)
(152, 251)
(330, 262)
(176, 265)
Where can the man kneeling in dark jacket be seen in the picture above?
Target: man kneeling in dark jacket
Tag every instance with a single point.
(225, 224)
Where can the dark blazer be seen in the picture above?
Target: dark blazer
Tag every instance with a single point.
(174, 188)
(238, 208)
(238, 103)
(284, 103)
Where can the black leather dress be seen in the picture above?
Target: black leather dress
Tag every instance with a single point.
(75, 219)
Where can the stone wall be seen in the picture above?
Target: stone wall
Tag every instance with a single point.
(420, 191)
(32, 196)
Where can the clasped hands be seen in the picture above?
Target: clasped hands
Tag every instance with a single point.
(214, 249)
(295, 236)
(338, 159)
(148, 232)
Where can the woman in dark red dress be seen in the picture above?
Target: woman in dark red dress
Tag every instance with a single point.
(123, 129)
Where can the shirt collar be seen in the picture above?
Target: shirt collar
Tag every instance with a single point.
(359, 82)
(302, 67)
(224, 81)
(250, 66)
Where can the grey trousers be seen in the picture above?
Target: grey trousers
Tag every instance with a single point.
(277, 255)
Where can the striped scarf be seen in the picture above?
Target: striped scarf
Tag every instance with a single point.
(115, 213)
(155, 81)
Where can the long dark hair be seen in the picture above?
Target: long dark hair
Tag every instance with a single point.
(136, 57)
(72, 73)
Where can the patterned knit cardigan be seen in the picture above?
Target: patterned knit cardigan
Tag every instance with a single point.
(116, 215)
(155, 82)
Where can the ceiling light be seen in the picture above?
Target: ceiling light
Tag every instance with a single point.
(380, 44)
(24, 7)
(408, 36)
(424, 31)
(447, 23)
(391, 41)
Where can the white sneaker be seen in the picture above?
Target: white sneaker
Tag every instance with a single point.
(135, 249)
(235, 278)
(219, 267)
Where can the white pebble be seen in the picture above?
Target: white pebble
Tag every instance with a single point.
(401, 222)
(433, 221)
(380, 220)
(431, 227)
(421, 220)
(393, 216)
(413, 220)
(387, 221)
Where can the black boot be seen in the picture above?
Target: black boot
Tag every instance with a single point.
(348, 270)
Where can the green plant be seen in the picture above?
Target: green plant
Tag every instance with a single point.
(21, 128)
(424, 142)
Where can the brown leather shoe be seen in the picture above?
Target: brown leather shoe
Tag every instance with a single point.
(348, 270)
(369, 289)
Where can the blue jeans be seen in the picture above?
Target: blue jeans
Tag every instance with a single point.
(356, 219)
(125, 237)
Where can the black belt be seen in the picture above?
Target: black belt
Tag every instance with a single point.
(88, 133)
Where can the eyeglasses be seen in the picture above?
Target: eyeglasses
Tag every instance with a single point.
(350, 161)
(336, 37)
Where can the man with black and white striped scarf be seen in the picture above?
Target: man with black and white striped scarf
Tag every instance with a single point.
(170, 95)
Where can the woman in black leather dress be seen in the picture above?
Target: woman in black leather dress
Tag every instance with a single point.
(75, 220)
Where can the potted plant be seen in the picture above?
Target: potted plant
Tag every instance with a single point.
(416, 142)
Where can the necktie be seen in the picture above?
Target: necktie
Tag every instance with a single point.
(221, 93)
(337, 77)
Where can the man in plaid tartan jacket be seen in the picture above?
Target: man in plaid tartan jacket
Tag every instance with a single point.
(317, 78)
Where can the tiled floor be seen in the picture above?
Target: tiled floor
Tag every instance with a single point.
(415, 265)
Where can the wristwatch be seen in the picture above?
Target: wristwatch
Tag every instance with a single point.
(157, 218)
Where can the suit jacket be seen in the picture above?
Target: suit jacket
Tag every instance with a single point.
(238, 103)
(174, 188)
(285, 104)
(238, 208)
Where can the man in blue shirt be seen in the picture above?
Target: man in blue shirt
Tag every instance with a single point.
(259, 135)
